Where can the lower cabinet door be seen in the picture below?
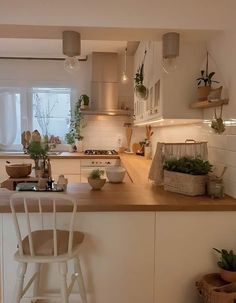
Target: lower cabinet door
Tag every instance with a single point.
(117, 256)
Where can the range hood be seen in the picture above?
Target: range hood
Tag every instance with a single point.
(104, 86)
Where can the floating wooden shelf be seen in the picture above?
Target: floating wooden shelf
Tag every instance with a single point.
(208, 104)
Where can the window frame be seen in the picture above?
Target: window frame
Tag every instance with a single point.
(26, 102)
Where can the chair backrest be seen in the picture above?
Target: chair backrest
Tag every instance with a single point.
(40, 203)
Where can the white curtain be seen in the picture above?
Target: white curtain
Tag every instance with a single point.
(7, 118)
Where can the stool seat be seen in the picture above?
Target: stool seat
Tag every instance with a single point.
(43, 242)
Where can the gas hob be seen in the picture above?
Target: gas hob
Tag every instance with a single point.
(100, 152)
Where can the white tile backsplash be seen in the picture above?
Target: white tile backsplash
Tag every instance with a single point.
(104, 132)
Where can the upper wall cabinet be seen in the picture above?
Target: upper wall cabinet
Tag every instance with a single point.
(169, 94)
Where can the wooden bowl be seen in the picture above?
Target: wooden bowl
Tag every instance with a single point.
(18, 170)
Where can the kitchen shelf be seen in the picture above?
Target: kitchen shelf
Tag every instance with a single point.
(208, 104)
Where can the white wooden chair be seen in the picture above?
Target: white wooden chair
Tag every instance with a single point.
(46, 246)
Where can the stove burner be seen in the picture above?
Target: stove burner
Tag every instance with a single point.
(103, 152)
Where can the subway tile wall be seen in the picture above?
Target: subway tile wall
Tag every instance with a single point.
(107, 132)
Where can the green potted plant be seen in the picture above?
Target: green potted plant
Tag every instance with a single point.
(186, 175)
(227, 264)
(70, 139)
(95, 180)
(38, 153)
(74, 137)
(84, 101)
(204, 82)
(140, 89)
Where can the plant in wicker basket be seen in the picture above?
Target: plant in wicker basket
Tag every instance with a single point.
(186, 175)
(227, 264)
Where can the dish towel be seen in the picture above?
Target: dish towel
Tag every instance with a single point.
(156, 172)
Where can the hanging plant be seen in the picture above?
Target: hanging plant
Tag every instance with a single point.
(218, 124)
(205, 81)
(140, 90)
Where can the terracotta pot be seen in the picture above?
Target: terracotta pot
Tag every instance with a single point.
(203, 92)
(228, 276)
(96, 184)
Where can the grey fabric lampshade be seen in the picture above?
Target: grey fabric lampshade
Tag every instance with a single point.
(71, 43)
(170, 45)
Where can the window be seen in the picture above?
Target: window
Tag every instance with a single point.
(42, 108)
(51, 110)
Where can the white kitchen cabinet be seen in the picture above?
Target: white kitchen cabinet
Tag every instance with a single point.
(70, 168)
(169, 94)
(183, 251)
(117, 256)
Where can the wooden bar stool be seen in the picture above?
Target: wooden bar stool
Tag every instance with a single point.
(46, 245)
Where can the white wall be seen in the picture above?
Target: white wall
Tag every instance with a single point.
(27, 72)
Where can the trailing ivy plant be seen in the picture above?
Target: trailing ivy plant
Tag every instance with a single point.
(187, 165)
(227, 259)
(75, 124)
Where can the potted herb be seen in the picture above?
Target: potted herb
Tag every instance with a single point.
(204, 83)
(84, 101)
(140, 90)
(227, 264)
(95, 180)
(39, 154)
(186, 175)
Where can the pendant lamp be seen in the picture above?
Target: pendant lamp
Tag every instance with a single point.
(124, 77)
(170, 51)
(71, 48)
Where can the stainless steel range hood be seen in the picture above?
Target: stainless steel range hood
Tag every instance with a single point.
(104, 96)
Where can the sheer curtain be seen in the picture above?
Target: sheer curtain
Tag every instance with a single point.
(8, 119)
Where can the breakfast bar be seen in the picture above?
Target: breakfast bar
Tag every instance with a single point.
(126, 224)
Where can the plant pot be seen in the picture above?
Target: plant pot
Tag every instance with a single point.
(228, 276)
(38, 173)
(203, 92)
(186, 184)
(96, 184)
(79, 145)
(141, 91)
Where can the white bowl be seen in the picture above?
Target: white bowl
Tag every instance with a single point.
(115, 174)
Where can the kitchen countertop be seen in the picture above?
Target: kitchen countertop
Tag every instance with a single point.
(140, 196)
(61, 155)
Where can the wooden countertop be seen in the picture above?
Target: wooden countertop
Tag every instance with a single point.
(62, 155)
(132, 197)
(137, 167)
(140, 196)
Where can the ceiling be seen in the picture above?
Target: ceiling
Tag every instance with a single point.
(46, 41)
(47, 48)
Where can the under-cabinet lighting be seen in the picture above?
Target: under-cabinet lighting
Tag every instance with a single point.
(149, 122)
(230, 122)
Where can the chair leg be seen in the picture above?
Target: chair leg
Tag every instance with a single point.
(37, 280)
(21, 270)
(80, 280)
(63, 274)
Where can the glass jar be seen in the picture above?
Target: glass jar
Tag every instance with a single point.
(215, 188)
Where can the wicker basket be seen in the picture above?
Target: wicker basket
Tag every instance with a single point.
(185, 184)
(212, 289)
